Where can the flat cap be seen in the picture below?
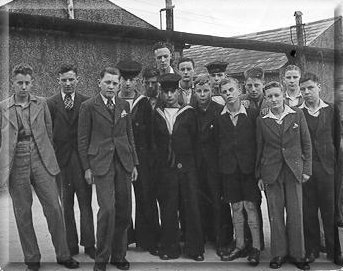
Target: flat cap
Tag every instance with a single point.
(129, 68)
(216, 66)
(255, 72)
(169, 81)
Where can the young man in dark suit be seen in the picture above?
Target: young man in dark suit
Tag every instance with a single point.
(175, 131)
(186, 85)
(108, 156)
(210, 186)
(235, 136)
(323, 121)
(27, 159)
(64, 108)
(146, 230)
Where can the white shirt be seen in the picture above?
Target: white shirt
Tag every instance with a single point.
(287, 111)
(71, 94)
(234, 115)
(314, 112)
(218, 99)
(170, 114)
(105, 99)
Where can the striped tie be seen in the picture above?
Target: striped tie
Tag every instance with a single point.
(68, 102)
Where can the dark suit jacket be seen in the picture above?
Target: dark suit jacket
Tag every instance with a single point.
(64, 126)
(183, 138)
(326, 140)
(290, 145)
(237, 144)
(40, 121)
(100, 135)
(207, 148)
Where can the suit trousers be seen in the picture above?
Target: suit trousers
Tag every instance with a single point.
(147, 226)
(70, 182)
(215, 214)
(113, 192)
(174, 185)
(319, 192)
(27, 170)
(286, 192)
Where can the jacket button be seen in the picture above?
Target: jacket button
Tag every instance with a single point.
(283, 149)
(179, 165)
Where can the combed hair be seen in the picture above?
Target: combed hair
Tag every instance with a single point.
(272, 84)
(67, 67)
(185, 59)
(292, 68)
(161, 44)
(110, 70)
(22, 68)
(202, 80)
(309, 76)
(227, 80)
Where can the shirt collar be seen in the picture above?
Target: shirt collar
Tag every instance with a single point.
(321, 105)
(72, 95)
(241, 110)
(105, 99)
(293, 98)
(287, 111)
(12, 101)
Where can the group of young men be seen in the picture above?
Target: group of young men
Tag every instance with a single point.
(198, 152)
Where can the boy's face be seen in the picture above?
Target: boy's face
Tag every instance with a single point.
(254, 87)
(203, 93)
(162, 57)
(230, 92)
(274, 97)
(310, 91)
(109, 85)
(128, 84)
(186, 71)
(22, 84)
(151, 86)
(216, 78)
(291, 79)
(170, 97)
(68, 81)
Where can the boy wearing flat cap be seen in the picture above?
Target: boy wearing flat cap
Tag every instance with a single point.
(216, 70)
(175, 130)
(146, 222)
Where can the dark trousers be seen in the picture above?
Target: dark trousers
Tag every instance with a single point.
(70, 182)
(215, 215)
(28, 170)
(286, 192)
(173, 185)
(319, 192)
(147, 226)
(114, 199)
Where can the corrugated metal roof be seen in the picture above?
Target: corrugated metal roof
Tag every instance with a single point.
(240, 60)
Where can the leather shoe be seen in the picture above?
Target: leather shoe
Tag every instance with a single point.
(154, 251)
(122, 264)
(166, 257)
(33, 266)
(254, 257)
(338, 260)
(311, 257)
(90, 251)
(299, 263)
(99, 267)
(234, 254)
(197, 258)
(276, 262)
(69, 263)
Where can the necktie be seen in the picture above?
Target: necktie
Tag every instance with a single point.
(68, 102)
(110, 104)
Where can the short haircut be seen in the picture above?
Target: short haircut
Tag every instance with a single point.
(309, 76)
(110, 70)
(161, 44)
(273, 84)
(150, 72)
(22, 68)
(202, 80)
(292, 68)
(67, 68)
(185, 59)
(228, 80)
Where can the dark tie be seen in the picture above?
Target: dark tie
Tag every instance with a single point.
(68, 102)
(110, 104)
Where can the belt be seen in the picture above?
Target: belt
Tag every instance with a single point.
(24, 138)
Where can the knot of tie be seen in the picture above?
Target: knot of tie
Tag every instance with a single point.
(110, 104)
(68, 102)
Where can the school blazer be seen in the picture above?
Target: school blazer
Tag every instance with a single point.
(64, 127)
(327, 138)
(41, 128)
(290, 145)
(100, 135)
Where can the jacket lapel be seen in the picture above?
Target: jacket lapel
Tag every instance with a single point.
(34, 110)
(77, 103)
(321, 120)
(60, 106)
(272, 125)
(288, 121)
(118, 110)
(10, 114)
(101, 108)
